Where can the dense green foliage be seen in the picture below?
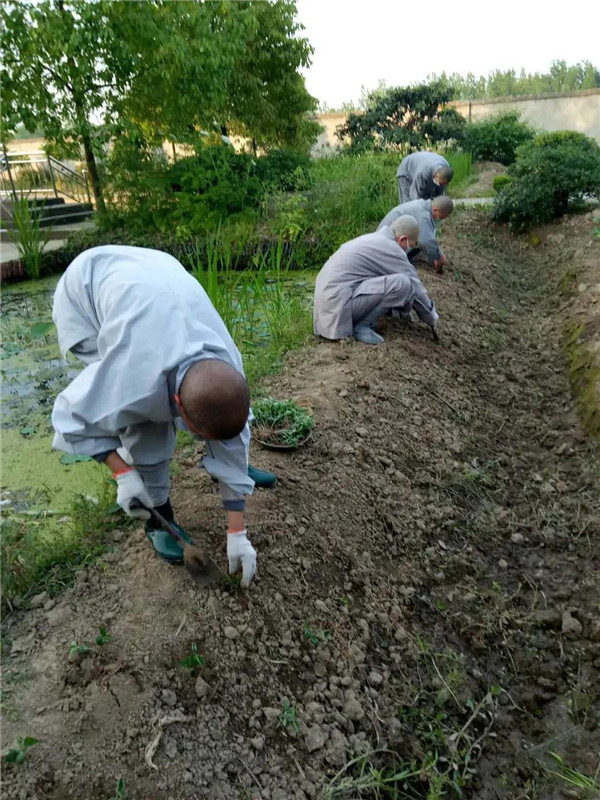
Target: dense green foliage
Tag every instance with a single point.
(197, 193)
(335, 199)
(496, 138)
(551, 173)
(499, 83)
(154, 70)
(404, 118)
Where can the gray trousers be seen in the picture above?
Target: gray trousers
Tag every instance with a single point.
(404, 185)
(155, 476)
(391, 291)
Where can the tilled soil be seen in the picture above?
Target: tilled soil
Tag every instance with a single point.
(427, 594)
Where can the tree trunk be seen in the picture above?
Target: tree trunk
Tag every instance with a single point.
(90, 160)
(254, 146)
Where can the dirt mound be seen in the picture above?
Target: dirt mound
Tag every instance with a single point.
(426, 581)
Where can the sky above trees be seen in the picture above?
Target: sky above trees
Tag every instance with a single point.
(362, 43)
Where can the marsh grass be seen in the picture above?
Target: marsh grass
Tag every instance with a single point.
(265, 309)
(462, 164)
(29, 238)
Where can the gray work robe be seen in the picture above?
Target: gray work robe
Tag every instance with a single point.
(415, 176)
(149, 321)
(421, 210)
(375, 258)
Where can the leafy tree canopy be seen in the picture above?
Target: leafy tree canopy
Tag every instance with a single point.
(91, 70)
(407, 118)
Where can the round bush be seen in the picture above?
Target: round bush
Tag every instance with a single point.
(551, 173)
(497, 138)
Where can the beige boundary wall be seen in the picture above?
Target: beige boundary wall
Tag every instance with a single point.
(575, 111)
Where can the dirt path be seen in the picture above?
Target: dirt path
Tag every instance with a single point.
(428, 580)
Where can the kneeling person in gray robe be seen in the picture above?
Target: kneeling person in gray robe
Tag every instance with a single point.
(426, 212)
(423, 175)
(365, 278)
(156, 353)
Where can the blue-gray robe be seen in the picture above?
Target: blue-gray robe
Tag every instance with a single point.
(415, 176)
(421, 210)
(373, 260)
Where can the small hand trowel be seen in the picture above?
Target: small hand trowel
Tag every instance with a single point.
(202, 570)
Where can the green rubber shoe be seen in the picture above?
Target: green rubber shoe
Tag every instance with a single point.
(165, 545)
(262, 479)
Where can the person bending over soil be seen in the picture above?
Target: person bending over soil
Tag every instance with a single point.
(157, 355)
(423, 175)
(426, 212)
(367, 277)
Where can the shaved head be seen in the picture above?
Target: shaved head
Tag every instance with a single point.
(444, 174)
(444, 206)
(405, 226)
(215, 399)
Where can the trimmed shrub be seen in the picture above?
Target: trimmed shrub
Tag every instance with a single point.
(551, 173)
(497, 138)
(500, 181)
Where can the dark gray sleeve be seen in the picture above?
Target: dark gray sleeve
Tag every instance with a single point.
(101, 457)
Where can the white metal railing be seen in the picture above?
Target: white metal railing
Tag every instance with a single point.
(37, 173)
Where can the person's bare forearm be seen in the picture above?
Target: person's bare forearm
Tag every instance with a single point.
(235, 521)
(115, 463)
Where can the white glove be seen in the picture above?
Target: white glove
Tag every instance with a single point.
(240, 549)
(129, 486)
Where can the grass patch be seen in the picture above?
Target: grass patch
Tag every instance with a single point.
(45, 553)
(442, 735)
(588, 786)
(449, 746)
(462, 164)
(584, 374)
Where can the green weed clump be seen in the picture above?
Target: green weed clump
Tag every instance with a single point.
(281, 422)
(30, 239)
(288, 718)
(37, 555)
(194, 660)
(462, 164)
(17, 755)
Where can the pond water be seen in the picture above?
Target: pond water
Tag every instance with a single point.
(33, 373)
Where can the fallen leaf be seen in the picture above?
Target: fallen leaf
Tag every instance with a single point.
(73, 458)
